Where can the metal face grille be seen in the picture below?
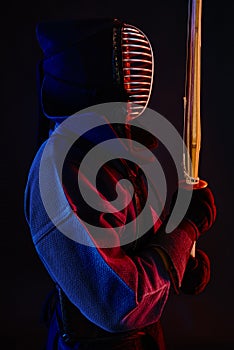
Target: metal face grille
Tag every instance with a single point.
(138, 69)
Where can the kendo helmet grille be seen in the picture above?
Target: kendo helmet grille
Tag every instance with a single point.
(138, 69)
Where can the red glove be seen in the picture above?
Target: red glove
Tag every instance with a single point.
(202, 210)
(197, 274)
(177, 245)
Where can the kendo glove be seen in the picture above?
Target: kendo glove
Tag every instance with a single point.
(175, 247)
(197, 273)
(202, 210)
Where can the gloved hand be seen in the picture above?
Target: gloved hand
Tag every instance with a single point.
(197, 274)
(176, 246)
(202, 209)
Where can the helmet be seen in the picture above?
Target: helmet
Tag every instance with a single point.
(92, 61)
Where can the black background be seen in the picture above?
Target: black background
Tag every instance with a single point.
(200, 322)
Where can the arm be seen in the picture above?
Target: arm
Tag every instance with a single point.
(112, 289)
